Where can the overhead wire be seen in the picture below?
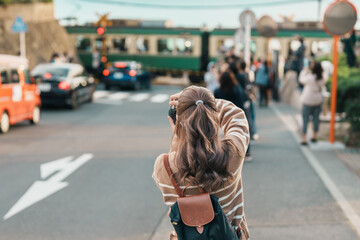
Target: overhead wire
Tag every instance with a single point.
(253, 3)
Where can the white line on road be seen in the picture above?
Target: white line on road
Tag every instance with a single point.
(100, 94)
(159, 98)
(109, 102)
(40, 190)
(118, 96)
(139, 97)
(345, 206)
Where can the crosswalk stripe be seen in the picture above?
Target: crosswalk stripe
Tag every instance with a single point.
(159, 98)
(139, 97)
(108, 102)
(112, 97)
(100, 94)
(118, 96)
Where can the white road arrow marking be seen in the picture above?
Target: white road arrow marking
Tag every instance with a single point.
(49, 168)
(43, 189)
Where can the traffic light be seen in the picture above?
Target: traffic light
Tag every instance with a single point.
(100, 30)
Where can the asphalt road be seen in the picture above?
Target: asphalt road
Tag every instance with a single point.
(109, 193)
(111, 196)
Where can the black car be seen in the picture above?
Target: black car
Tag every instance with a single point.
(64, 84)
(126, 74)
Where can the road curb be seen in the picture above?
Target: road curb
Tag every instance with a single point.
(328, 181)
(163, 230)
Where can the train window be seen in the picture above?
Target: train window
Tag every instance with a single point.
(14, 76)
(184, 46)
(142, 45)
(224, 45)
(321, 48)
(121, 44)
(83, 43)
(165, 45)
(253, 47)
(98, 43)
(4, 77)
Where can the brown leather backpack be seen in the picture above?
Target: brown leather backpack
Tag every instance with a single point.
(198, 217)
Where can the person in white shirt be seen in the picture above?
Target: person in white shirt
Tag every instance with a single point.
(314, 80)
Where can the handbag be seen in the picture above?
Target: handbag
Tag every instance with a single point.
(199, 217)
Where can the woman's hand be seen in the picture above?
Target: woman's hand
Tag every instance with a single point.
(174, 99)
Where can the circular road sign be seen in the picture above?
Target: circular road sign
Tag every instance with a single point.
(251, 15)
(340, 18)
(267, 27)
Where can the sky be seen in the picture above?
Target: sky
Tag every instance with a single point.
(87, 10)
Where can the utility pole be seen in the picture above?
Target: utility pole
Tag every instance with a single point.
(319, 10)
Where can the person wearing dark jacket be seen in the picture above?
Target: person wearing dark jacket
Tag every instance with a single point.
(230, 90)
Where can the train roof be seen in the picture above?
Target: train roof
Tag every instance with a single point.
(307, 33)
(283, 32)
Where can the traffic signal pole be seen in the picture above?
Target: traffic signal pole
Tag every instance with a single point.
(334, 89)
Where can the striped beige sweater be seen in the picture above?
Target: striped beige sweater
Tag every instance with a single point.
(235, 126)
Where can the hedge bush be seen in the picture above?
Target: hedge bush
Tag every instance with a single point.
(348, 98)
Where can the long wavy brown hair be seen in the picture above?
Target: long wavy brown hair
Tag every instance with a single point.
(201, 158)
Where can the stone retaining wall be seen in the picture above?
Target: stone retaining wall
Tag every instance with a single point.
(45, 35)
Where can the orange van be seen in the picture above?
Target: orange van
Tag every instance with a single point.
(19, 96)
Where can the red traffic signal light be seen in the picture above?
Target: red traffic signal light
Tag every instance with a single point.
(100, 30)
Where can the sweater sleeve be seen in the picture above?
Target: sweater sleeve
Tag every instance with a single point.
(234, 124)
(163, 182)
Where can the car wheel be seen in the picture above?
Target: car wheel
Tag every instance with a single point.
(4, 122)
(92, 90)
(136, 86)
(74, 101)
(148, 85)
(36, 115)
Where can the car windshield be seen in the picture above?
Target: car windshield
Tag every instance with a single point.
(55, 72)
(124, 69)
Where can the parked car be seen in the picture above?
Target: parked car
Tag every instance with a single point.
(63, 84)
(126, 74)
(19, 97)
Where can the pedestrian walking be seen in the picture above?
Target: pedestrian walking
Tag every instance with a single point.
(313, 80)
(299, 56)
(238, 69)
(249, 88)
(262, 79)
(231, 91)
(55, 58)
(198, 158)
(211, 77)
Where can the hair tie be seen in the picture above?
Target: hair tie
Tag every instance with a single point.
(199, 101)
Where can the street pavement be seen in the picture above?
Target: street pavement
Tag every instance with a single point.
(105, 191)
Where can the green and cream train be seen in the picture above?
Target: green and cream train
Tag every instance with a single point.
(175, 50)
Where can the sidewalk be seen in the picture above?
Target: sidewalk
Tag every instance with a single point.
(349, 156)
(293, 192)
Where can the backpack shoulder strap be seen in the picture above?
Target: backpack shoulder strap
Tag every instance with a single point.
(169, 172)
